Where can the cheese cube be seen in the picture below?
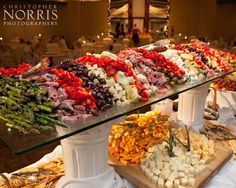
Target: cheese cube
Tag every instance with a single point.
(152, 164)
(188, 160)
(166, 165)
(169, 184)
(174, 168)
(155, 179)
(112, 90)
(165, 174)
(205, 153)
(202, 161)
(160, 183)
(150, 175)
(191, 181)
(184, 181)
(180, 186)
(162, 146)
(147, 171)
(186, 171)
(172, 177)
(157, 150)
(157, 172)
(201, 168)
(188, 154)
(192, 170)
(176, 174)
(206, 158)
(181, 174)
(176, 183)
(194, 161)
(151, 149)
(166, 159)
(181, 168)
(197, 156)
(159, 165)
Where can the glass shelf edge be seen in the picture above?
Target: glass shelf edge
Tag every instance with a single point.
(49, 140)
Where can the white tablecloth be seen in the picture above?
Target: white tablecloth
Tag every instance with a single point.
(225, 178)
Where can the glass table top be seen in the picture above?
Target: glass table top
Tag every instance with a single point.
(20, 143)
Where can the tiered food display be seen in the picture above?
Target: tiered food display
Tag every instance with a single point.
(96, 82)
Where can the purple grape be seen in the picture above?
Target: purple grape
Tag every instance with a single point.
(98, 90)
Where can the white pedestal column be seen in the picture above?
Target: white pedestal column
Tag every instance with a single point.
(191, 106)
(85, 160)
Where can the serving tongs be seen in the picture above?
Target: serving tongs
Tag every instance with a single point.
(211, 111)
(217, 131)
(33, 71)
(186, 146)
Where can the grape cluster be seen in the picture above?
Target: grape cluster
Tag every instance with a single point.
(199, 53)
(95, 83)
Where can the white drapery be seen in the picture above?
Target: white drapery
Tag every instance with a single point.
(153, 12)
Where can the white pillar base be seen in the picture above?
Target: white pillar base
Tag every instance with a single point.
(109, 179)
(191, 107)
(85, 158)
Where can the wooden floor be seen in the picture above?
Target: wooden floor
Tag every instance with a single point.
(10, 162)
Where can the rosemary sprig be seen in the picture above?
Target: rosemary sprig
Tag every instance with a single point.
(171, 142)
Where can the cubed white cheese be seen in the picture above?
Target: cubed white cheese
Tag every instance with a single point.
(174, 168)
(181, 168)
(147, 171)
(181, 174)
(186, 171)
(176, 183)
(192, 170)
(112, 90)
(155, 179)
(184, 181)
(151, 149)
(172, 177)
(175, 173)
(159, 165)
(152, 164)
(150, 175)
(165, 174)
(191, 181)
(194, 161)
(166, 165)
(201, 168)
(157, 172)
(160, 182)
(169, 184)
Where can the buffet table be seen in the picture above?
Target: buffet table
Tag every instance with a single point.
(225, 178)
(95, 92)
